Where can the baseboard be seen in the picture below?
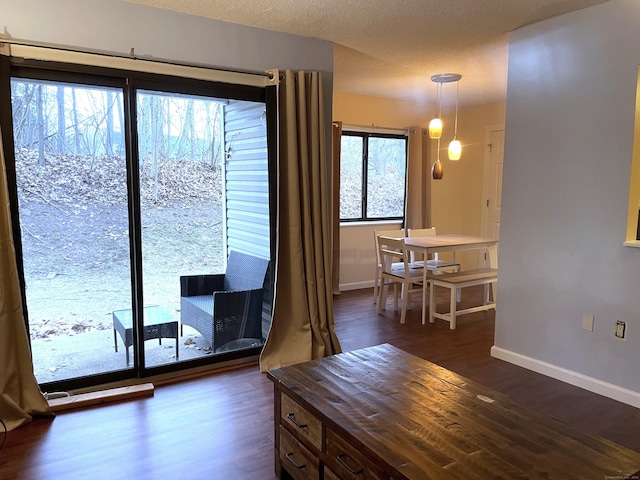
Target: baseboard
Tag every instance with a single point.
(344, 287)
(591, 384)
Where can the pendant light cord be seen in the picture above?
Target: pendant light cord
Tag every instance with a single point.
(440, 117)
(455, 125)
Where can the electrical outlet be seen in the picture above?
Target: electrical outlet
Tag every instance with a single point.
(621, 329)
(587, 322)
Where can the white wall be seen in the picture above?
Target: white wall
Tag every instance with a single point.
(569, 136)
(117, 26)
(358, 254)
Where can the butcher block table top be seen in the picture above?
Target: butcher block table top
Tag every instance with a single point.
(416, 420)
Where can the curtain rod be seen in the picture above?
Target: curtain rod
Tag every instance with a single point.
(131, 56)
(375, 127)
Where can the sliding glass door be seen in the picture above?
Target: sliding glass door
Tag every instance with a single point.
(125, 184)
(180, 159)
(71, 179)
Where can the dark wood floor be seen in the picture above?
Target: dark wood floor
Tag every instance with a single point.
(221, 426)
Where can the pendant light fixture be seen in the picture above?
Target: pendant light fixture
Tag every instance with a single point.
(435, 126)
(455, 147)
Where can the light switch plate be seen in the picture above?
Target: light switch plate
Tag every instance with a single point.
(587, 322)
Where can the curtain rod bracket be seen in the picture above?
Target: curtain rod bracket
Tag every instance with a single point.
(5, 47)
(274, 76)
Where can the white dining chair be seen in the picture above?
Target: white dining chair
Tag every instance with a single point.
(385, 233)
(397, 270)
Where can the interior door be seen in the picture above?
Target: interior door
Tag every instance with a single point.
(492, 188)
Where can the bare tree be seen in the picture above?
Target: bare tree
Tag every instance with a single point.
(213, 140)
(111, 98)
(76, 123)
(156, 143)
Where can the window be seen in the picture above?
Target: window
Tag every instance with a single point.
(372, 176)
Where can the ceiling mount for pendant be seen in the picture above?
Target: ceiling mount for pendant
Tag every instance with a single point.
(446, 77)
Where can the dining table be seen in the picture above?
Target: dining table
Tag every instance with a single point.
(450, 243)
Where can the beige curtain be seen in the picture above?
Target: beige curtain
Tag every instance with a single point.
(302, 327)
(20, 396)
(418, 201)
(336, 134)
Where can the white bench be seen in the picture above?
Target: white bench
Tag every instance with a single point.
(456, 281)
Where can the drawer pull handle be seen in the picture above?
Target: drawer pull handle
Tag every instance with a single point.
(292, 417)
(289, 456)
(346, 465)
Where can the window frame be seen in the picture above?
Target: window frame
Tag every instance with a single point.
(366, 135)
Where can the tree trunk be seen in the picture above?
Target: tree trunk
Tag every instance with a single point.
(61, 119)
(40, 119)
(76, 129)
(155, 143)
(109, 134)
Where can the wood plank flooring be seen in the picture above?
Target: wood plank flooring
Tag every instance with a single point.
(221, 426)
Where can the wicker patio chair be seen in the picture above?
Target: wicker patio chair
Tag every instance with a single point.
(226, 308)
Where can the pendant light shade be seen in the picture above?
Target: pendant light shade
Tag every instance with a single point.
(437, 172)
(435, 128)
(455, 150)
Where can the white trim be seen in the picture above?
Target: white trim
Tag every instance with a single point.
(371, 223)
(591, 384)
(488, 130)
(374, 129)
(484, 213)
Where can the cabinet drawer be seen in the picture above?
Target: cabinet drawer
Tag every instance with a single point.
(296, 459)
(347, 462)
(301, 421)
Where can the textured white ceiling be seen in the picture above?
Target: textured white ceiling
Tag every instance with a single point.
(390, 48)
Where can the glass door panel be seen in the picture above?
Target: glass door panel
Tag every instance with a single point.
(351, 154)
(387, 163)
(73, 210)
(180, 161)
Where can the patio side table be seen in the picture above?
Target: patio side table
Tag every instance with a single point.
(157, 324)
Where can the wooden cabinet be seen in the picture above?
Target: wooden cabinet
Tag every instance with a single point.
(381, 414)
